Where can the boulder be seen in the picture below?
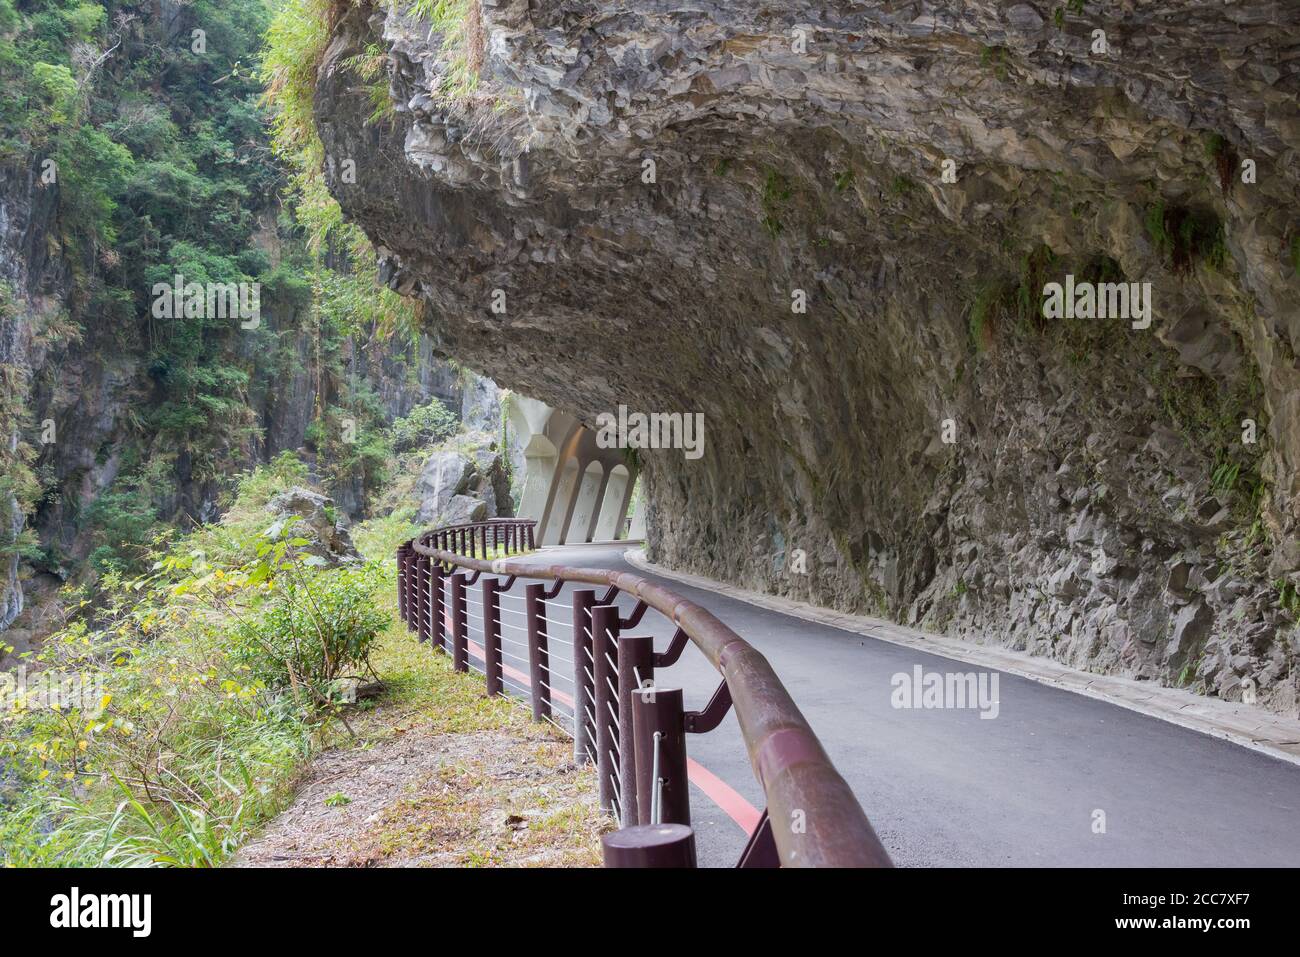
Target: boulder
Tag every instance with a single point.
(462, 509)
(478, 474)
(321, 524)
(444, 475)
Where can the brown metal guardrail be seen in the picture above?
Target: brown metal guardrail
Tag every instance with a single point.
(632, 729)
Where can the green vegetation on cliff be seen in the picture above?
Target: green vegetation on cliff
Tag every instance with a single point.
(144, 138)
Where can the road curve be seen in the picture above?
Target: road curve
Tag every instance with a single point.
(1055, 779)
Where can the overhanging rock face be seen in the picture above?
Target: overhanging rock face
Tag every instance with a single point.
(652, 190)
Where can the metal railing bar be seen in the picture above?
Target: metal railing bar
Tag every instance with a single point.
(656, 796)
(548, 718)
(522, 661)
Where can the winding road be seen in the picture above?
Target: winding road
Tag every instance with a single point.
(945, 787)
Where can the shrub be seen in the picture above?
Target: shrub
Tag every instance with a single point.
(316, 630)
(425, 425)
(123, 521)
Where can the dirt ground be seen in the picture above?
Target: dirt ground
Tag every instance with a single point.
(458, 780)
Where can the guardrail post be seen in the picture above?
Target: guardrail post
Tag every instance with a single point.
(539, 655)
(422, 598)
(659, 711)
(437, 608)
(492, 635)
(604, 635)
(583, 684)
(635, 670)
(459, 623)
(411, 594)
(403, 555)
(658, 845)
(531, 545)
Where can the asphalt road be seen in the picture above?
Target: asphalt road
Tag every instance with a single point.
(945, 787)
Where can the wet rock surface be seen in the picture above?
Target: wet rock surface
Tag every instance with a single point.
(649, 187)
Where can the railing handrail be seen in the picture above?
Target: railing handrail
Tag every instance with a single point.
(799, 781)
(487, 521)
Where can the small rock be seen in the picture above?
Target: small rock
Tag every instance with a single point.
(1191, 627)
(320, 524)
(1023, 17)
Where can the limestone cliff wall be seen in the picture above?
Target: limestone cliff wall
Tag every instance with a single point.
(648, 184)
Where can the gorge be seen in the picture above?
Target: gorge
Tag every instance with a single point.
(825, 229)
(398, 395)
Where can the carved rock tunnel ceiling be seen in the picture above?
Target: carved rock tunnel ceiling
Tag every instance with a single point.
(1098, 501)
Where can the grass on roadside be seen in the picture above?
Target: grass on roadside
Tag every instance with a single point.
(497, 789)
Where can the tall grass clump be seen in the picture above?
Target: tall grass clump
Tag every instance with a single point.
(189, 701)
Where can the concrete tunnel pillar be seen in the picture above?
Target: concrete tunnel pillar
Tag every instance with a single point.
(539, 471)
(566, 486)
(585, 505)
(614, 505)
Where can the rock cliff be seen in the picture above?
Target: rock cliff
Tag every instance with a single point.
(630, 201)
